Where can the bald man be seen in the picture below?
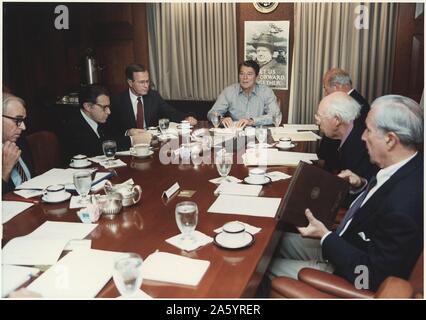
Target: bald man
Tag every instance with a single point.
(336, 115)
(17, 163)
(338, 80)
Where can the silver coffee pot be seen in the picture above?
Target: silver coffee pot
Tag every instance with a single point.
(130, 192)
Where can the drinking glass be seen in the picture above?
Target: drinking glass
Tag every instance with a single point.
(127, 274)
(261, 135)
(186, 214)
(215, 118)
(109, 147)
(83, 183)
(164, 125)
(223, 164)
(276, 118)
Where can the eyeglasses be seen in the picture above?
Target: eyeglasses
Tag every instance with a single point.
(103, 107)
(18, 120)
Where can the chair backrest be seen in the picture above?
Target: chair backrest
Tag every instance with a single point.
(45, 151)
(398, 288)
(416, 278)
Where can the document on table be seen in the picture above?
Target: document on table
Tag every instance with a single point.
(238, 189)
(28, 193)
(80, 274)
(45, 244)
(246, 206)
(167, 267)
(15, 276)
(68, 230)
(53, 176)
(273, 157)
(296, 136)
(98, 181)
(27, 251)
(11, 209)
(302, 127)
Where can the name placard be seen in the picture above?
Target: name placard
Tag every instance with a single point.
(171, 191)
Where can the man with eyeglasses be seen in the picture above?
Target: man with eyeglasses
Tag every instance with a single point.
(140, 107)
(16, 155)
(85, 132)
(336, 117)
(246, 102)
(338, 80)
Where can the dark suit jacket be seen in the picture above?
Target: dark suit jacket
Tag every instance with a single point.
(79, 138)
(328, 147)
(353, 154)
(26, 157)
(122, 116)
(392, 220)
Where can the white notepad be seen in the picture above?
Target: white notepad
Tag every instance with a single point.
(296, 136)
(167, 267)
(44, 245)
(300, 127)
(27, 251)
(11, 209)
(246, 206)
(15, 276)
(273, 157)
(238, 189)
(80, 274)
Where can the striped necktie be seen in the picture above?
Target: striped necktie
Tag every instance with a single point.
(356, 205)
(21, 172)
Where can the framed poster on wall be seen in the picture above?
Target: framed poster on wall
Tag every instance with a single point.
(267, 42)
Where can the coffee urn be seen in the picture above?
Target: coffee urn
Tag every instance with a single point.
(90, 71)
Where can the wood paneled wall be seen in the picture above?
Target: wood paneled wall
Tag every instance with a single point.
(408, 77)
(40, 62)
(284, 11)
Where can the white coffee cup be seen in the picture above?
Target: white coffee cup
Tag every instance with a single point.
(79, 160)
(55, 192)
(141, 149)
(285, 142)
(233, 232)
(257, 175)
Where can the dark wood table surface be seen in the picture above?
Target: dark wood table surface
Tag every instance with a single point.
(143, 228)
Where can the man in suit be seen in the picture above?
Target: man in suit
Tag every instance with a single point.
(85, 131)
(336, 116)
(17, 161)
(381, 234)
(338, 80)
(140, 107)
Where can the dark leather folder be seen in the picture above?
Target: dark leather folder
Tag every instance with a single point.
(314, 188)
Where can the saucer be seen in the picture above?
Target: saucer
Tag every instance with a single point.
(286, 148)
(150, 153)
(88, 164)
(67, 196)
(249, 181)
(247, 241)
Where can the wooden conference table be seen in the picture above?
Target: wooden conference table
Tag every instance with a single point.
(143, 228)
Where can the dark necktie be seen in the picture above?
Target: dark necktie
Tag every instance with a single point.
(139, 114)
(21, 172)
(101, 133)
(356, 205)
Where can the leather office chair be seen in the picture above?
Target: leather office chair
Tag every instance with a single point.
(315, 284)
(45, 151)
